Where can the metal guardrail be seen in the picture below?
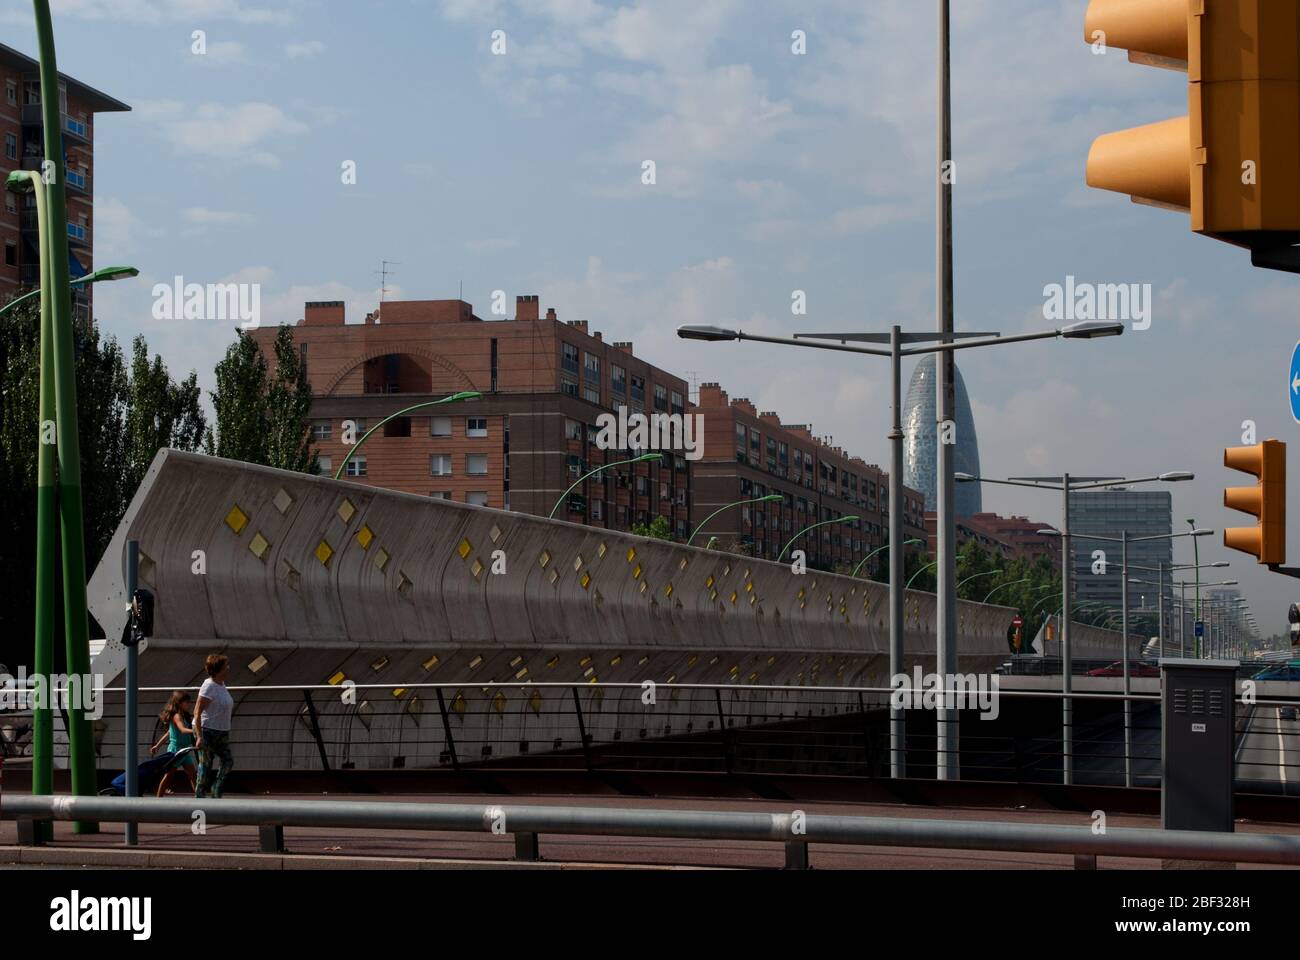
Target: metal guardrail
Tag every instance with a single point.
(795, 829)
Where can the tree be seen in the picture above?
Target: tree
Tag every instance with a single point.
(239, 427)
(288, 409)
(123, 417)
(262, 415)
(658, 529)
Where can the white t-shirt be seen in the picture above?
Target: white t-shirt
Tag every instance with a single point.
(216, 713)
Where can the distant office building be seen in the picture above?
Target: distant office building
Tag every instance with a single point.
(1013, 538)
(22, 133)
(1143, 513)
(920, 436)
(532, 433)
(748, 455)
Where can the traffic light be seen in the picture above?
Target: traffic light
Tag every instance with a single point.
(1233, 163)
(1266, 500)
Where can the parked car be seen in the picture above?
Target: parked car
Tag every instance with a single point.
(1137, 669)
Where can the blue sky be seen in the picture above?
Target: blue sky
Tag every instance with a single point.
(776, 173)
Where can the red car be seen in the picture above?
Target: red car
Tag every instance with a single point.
(1116, 669)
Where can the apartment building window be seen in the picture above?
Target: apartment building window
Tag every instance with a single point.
(325, 466)
(597, 510)
(77, 179)
(440, 495)
(618, 379)
(356, 467)
(477, 498)
(440, 465)
(11, 254)
(661, 398)
(574, 430)
(11, 147)
(476, 427)
(591, 395)
(569, 388)
(678, 406)
(476, 464)
(591, 368)
(638, 388)
(569, 357)
(322, 430)
(440, 426)
(11, 93)
(11, 202)
(77, 231)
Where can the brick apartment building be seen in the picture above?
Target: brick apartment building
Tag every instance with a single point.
(1014, 538)
(531, 434)
(748, 454)
(21, 132)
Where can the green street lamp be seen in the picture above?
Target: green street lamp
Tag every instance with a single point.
(463, 395)
(912, 579)
(878, 550)
(770, 498)
(645, 458)
(99, 276)
(1012, 583)
(986, 573)
(848, 519)
(58, 393)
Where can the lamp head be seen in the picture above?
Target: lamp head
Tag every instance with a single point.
(114, 273)
(772, 498)
(20, 181)
(708, 334)
(1091, 330)
(1177, 476)
(963, 478)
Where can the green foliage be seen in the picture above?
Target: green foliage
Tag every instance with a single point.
(659, 529)
(124, 415)
(262, 415)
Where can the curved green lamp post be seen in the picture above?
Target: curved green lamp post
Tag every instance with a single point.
(58, 395)
(770, 498)
(1010, 583)
(878, 550)
(813, 527)
(644, 458)
(463, 395)
(986, 573)
(913, 577)
(99, 276)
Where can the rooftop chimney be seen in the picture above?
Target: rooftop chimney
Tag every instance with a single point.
(323, 313)
(550, 313)
(526, 308)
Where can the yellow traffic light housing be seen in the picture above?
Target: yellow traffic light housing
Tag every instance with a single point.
(1233, 163)
(1266, 541)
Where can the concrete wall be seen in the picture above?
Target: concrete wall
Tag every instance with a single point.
(410, 578)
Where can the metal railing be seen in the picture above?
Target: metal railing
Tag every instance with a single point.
(691, 729)
(795, 829)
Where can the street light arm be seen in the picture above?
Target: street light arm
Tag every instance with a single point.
(968, 345)
(813, 527)
(786, 341)
(770, 498)
(463, 395)
(604, 466)
(967, 478)
(876, 551)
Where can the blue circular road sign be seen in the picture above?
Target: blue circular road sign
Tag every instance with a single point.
(1293, 384)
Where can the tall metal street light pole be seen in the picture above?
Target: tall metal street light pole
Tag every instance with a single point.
(47, 515)
(1160, 584)
(1124, 540)
(895, 339)
(1066, 485)
(770, 498)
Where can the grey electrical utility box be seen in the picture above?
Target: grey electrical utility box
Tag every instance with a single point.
(1198, 723)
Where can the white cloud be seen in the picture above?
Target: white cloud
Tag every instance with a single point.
(304, 49)
(220, 131)
(220, 53)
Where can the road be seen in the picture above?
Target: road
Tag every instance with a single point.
(1268, 756)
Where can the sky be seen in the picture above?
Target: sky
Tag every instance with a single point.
(521, 169)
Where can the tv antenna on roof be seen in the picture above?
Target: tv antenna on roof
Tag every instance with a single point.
(384, 273)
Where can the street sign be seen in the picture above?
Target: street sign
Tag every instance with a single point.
(1200, 628)
(1018, 621)
(1293, 384)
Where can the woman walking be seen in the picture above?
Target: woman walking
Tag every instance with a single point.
(212, 726)
(176, 717)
